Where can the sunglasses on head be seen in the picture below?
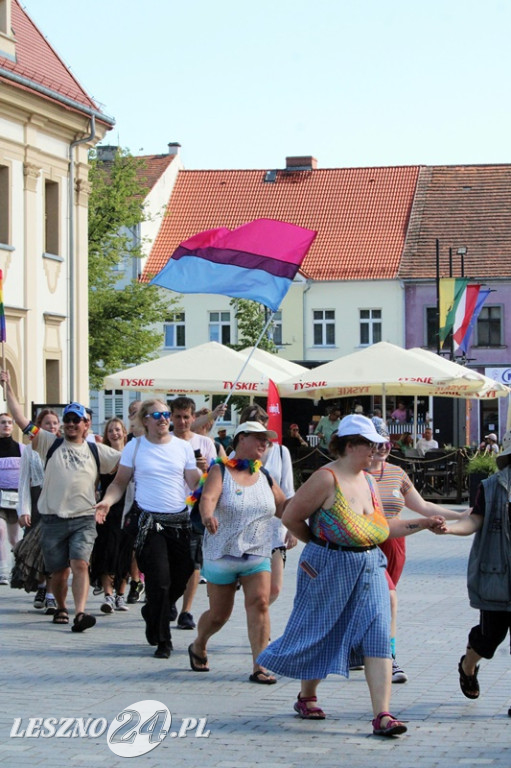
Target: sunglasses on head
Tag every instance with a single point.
(72, 418)
(157, 415)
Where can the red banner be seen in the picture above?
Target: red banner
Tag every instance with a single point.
(274, 410)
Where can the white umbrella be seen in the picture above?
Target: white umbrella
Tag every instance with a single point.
(281, 367)
(208, 368)
(383, 368)
(489, 388)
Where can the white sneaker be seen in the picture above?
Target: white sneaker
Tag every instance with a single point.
(120, 603)
(4, 581)
(108, 605)
(398, 676)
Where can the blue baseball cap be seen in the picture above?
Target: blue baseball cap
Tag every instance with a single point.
(75, 408)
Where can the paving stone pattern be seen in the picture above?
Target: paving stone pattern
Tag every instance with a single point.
(48, 671)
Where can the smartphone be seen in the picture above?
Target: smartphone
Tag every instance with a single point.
(197, 453)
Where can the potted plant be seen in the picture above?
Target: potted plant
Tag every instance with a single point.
(480, 466)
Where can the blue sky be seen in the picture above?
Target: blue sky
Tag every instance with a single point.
(244, 84)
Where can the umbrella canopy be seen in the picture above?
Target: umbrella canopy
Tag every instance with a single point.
(285, 368)
(208, 368)
(384, 368)
(489, 387)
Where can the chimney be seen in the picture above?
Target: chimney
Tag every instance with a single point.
(301, 163)
(174, 148)
(106, 153)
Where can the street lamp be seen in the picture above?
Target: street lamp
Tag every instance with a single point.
(462, 253)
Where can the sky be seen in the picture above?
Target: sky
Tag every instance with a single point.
(244, 84)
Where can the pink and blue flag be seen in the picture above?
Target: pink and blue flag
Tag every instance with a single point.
(256, 261)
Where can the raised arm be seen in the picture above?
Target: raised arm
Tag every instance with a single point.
(13, 406)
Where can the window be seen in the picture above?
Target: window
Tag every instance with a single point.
(220, 327)
(370, 326)
(113, 403)
(324, 327)
(489, 326)
(51, 217)
(432, 330)
(276, 332)
(174, 331)
(431, 327)
(4, 205)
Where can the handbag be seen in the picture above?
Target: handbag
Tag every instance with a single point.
(8, 499)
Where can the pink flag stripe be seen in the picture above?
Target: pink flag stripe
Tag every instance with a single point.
(266, 237)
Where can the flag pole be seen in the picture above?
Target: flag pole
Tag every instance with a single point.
(233, 387)
(229, 395)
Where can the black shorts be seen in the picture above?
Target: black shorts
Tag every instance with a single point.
(196, 549)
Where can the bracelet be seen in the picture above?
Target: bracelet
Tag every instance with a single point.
(30, 430)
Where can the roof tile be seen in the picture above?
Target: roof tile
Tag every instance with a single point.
(361, 214)
(37, 61)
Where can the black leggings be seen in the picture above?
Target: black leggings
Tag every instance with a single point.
(491, 631)
(166, 562)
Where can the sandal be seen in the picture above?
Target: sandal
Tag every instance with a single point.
(82, 622)
(306, 713)
(199, 659)
(393, 727)
(468, 683)
(61, 616)
(262, 677)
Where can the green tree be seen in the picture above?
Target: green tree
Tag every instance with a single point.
(252, 318)
(122, 318)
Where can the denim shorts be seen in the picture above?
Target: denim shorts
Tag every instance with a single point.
(66, 538)
(228, 569)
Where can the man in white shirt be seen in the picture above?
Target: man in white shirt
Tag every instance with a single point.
(426, 442)
(183, 416)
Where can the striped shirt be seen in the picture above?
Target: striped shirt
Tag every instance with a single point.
(393, 484)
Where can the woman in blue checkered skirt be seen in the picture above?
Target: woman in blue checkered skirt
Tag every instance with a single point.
(341, 612)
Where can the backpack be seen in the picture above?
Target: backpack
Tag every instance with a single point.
(58, 442)
(195, 518)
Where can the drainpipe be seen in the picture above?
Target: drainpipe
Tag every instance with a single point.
(307, 288)
(71, 288)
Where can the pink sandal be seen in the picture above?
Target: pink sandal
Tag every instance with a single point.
(314, 713)
(392, 728)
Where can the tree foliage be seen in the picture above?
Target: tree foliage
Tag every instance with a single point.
(124, 316)
(252, 318)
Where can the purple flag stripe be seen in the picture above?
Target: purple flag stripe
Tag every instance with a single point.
(239, 259)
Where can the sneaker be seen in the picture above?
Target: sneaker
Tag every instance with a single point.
(398, 676)
(173, 612)
(108, 605)
(98, 589)
(137, 589)
(120, 603)
(40, 597)
(202, 580)
(185, 621)
(4, 581)
(51, 606)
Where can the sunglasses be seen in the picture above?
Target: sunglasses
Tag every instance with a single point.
(157, 415)
(72, 419)
(384, 446)
(363, 441)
